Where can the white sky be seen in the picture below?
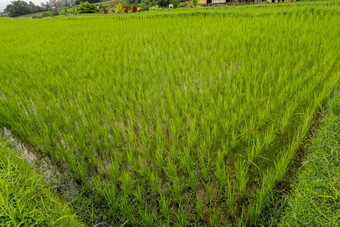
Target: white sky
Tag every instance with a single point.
(4, 3)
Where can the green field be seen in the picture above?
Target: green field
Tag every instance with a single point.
(190, 116)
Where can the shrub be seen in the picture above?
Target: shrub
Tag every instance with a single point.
(46, 14)
(134, 8)
(86, 7)
(105, 11)
(54, 12)
(125, 8)
(175, 3)
(37, 16)
(143, 7)
(119, 8)
(156, 7)
(164, 3)
(193, 4)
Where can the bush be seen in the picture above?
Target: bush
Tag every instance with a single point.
(77, 2)
(125, 8)
(46, 14)
(86, 7)
(37, 16)
(144, 7)
(105, 11)
(54, 12)
(163, 3)
(134, 8)
(119, 9)
(175, 3)
(156, 7)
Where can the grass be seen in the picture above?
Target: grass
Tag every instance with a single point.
(315, 198)
(171, 117)
(25, 198)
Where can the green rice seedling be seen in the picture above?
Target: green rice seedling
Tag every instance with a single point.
(199, 207)
(127, 182)
(242, 177)
(164, 205)
(214, 220)
(147, 217)
(209, 192)
(192, 180)
(221, 175)
(154, 183)
(182, 216)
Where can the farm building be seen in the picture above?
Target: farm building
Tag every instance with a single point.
(3, 14)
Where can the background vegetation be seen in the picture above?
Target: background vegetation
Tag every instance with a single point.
(18, 8)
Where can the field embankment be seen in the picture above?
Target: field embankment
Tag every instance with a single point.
(315, 198)
(26, 199)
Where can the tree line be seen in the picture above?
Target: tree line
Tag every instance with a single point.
(19, 8)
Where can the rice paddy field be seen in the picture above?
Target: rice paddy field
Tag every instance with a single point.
(175, 118)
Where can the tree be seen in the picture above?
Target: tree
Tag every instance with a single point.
(90, 1)
(19, 8)
(86, 7)
(163, 3)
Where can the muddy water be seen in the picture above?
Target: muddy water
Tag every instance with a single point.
(61, 181)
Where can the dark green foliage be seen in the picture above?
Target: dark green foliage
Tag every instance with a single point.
(90, 1)
(134, 8)
(55, 12)
(46, 14)
(37, 16)
(19, 8)
(163, 3)
(86, 7)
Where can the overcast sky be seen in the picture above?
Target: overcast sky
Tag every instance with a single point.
(4, 3)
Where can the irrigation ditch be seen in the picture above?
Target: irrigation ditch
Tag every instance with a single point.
(60, 179)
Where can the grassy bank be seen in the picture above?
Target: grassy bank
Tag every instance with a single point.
(315, 200)
(25, 198)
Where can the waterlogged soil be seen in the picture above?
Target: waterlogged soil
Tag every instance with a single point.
(61, 180)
